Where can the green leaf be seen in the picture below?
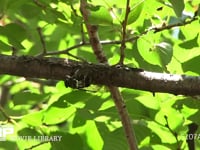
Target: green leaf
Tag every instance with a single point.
(25, 132)
(68, 141)
(112, 140)
(146, 47)
(178, 6)
(153, 52)
(172, 115)
(33, 119)
(152, 104)
(82, 115)
(192, 65)
(91, 132)
(162, 132)
(60, 110)
(165, 52)
(94, 103)
(137, 109)
(189, 44)
(99, 15)
(51, 15)
(8, 145)
(15, 31)
(4, 46)
(28, 98)
(135, 12)
(30, 11)
(162, 147)
(74, 96)
(142, 132)
(16, 38)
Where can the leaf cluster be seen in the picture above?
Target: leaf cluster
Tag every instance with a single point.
(87, 119)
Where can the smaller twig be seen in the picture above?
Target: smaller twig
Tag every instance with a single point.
(4, 113)
(16, 117)
(39, 4)
(82, 34)
(42, 41)
(74, 10)
(14, 51)
(83, 43)
(124, 24)
(159, 29)
(76, 57)
(167, 27)
(65, 51)
(9, 119)
(174, 133)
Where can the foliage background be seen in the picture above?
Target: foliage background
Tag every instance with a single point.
(88, 119)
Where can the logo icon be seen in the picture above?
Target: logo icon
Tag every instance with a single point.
(5, 131)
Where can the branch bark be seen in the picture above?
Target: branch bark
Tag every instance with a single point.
(101, 74)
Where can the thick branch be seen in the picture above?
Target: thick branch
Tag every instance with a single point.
(101, 74)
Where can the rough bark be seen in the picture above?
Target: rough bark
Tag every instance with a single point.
(100, 74)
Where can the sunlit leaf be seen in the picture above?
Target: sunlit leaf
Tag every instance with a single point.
(99, 15)
(171, 115)
(162, 132)
(60, 110)
(92, 131)
(147, 50)
(135, 12)
(149, 104)
(153, 52)
(33, 119)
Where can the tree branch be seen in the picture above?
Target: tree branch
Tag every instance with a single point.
(116, 95)
(101, 74)
(123, 41)
(44, 51)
